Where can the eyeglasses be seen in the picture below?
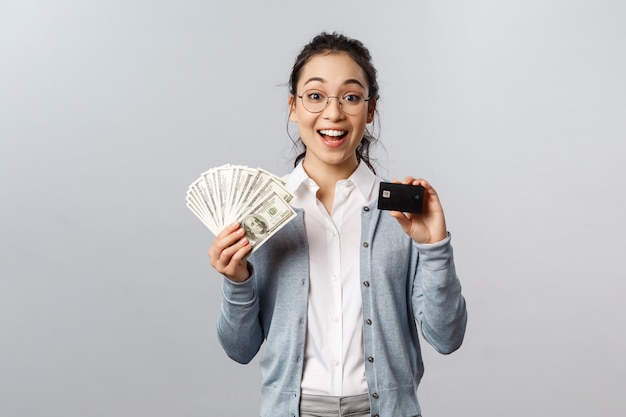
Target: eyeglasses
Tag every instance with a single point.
(315, 101)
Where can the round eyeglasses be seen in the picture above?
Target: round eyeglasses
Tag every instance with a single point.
(315, 101)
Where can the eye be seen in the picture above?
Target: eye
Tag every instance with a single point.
(315, 96)
(353, 98)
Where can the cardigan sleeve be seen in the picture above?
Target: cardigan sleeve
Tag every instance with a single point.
(438, 304)
(238, 326)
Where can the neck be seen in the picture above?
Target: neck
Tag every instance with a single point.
(327, 176)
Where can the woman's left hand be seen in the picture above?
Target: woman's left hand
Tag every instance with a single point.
(430, 225)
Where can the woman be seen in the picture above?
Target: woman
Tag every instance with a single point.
(336, 294)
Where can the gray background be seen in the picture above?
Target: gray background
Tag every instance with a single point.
(514, 110)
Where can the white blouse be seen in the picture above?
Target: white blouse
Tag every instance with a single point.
(334, 362)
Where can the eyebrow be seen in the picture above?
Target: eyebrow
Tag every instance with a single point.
(346, 82)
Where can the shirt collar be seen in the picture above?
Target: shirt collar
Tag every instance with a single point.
(363, 179)
(298, 178)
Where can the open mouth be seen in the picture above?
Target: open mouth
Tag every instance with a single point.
(332, 134)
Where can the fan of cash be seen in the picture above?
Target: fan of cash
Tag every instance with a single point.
(255, 198)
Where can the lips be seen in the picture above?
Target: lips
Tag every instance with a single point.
(333, 138)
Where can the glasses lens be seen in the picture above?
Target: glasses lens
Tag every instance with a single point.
(314, 101)
(352, 103)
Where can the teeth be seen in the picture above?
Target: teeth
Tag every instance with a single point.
(332, 132)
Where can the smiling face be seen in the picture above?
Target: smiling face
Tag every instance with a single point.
(331, 136)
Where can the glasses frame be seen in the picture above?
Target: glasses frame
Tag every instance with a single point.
(339, 100)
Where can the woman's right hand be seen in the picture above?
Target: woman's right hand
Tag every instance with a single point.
(228, 253)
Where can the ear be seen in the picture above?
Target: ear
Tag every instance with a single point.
(292, 108)
(371, 110)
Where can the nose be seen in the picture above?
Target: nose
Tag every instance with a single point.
(333, 108)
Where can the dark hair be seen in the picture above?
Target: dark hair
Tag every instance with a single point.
(326, 43)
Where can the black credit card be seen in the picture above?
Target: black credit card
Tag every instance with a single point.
(401, 197)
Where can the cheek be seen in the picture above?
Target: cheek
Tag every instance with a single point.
(297, 114)
(361, 122)
(303, 118)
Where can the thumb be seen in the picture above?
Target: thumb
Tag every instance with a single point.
(402, 220)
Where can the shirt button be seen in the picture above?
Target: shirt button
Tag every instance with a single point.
(366, 283)
(366, 208)
(375, 395)
(366, 245)
(368, 321)
(370, 359)
(336, 362)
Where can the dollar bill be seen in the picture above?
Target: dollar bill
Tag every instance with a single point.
(265, 219)
(254, 197)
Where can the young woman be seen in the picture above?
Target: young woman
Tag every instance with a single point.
(335, 296)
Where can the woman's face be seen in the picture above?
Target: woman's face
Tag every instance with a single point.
(331, 136)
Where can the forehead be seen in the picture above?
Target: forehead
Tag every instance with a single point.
(332, 70)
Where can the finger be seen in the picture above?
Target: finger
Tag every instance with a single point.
(402, 219)
(229, 260)
(225, 240)
(232, 253)
(236, 267)
(219, 252)
(412, 181)
(243, 250)
(228, 230)
(416, 181)
(406, 180)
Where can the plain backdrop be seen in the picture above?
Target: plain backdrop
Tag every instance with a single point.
(514, 110)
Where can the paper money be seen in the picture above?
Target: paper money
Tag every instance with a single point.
(255, 198)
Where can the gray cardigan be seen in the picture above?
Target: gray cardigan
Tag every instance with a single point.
(402, 283)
